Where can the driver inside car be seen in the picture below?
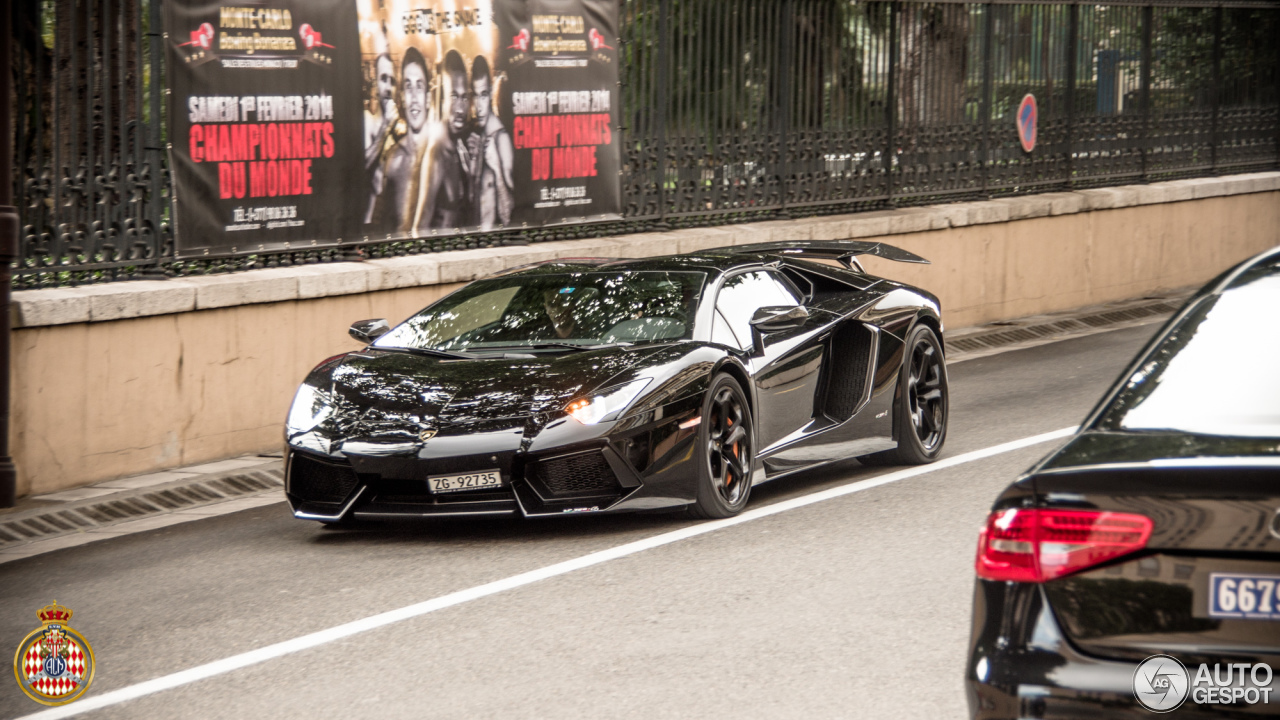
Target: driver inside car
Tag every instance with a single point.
(564, 307)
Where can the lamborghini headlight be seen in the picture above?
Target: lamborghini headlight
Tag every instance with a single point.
(605, 403)
(311, 406)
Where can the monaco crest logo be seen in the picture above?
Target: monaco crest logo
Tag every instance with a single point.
(54, 664)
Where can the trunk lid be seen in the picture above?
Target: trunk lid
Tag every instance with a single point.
(1214, 504)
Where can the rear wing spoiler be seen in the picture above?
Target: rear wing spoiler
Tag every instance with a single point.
(843, 251)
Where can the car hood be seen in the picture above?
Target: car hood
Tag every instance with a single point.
(377, 389)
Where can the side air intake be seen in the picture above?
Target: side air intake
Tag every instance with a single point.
(585, 474)
(852, 348)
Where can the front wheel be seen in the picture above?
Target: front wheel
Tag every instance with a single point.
(726, 441)
(920, 410)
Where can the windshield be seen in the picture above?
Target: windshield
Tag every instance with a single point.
(1216, 372)
(577, 309)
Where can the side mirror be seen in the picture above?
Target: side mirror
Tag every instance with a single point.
(772, 319)
(366, 331)
(781, 317)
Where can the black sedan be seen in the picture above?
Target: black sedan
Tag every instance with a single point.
(596, 385)
(1137, 569)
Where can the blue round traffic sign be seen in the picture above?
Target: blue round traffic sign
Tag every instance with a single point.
(1027, 120)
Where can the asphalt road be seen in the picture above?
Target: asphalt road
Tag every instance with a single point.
(853, 607)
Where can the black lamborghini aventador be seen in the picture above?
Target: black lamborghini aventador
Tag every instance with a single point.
(586, 385)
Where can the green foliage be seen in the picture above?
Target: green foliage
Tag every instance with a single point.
(46, 23)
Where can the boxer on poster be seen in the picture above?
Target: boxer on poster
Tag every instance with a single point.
(492, 186)
(379, 128)
(445, 195)
(404, 158)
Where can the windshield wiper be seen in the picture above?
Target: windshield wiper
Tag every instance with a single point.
(426, 352)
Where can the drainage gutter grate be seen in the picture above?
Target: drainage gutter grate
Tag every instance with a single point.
(183, 494)
(1036, 329)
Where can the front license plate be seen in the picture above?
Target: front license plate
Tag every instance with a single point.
(467, 481)
(1245, 596)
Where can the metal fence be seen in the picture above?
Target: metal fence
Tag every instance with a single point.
(91, 185)
(732, 110)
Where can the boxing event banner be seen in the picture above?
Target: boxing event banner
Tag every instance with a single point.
(300, 123)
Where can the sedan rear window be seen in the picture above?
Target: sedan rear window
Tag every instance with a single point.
(1217, 372)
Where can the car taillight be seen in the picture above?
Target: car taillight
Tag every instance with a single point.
(1034, 545)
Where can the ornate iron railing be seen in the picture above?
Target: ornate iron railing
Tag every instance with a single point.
(91, 183)
(732, 110)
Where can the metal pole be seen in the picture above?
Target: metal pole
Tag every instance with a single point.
(891, 102)
(785, 106)
(988, 71)
(1148, 20)
(664, 105)
(1073, 42)
(1215, 91)
(155, 149)
(8, 253)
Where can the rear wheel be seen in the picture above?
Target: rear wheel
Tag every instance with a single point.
(920, 410)
(726, 439)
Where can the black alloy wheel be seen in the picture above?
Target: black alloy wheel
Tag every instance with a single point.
(926, 393)
(727, 440)
(922, 404)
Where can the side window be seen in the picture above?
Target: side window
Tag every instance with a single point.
(741, 295)
(720, 332)
(788, 289)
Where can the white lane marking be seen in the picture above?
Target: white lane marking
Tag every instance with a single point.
(322, 637)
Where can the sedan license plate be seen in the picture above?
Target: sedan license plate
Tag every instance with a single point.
(1244, 595)
(467, 481)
